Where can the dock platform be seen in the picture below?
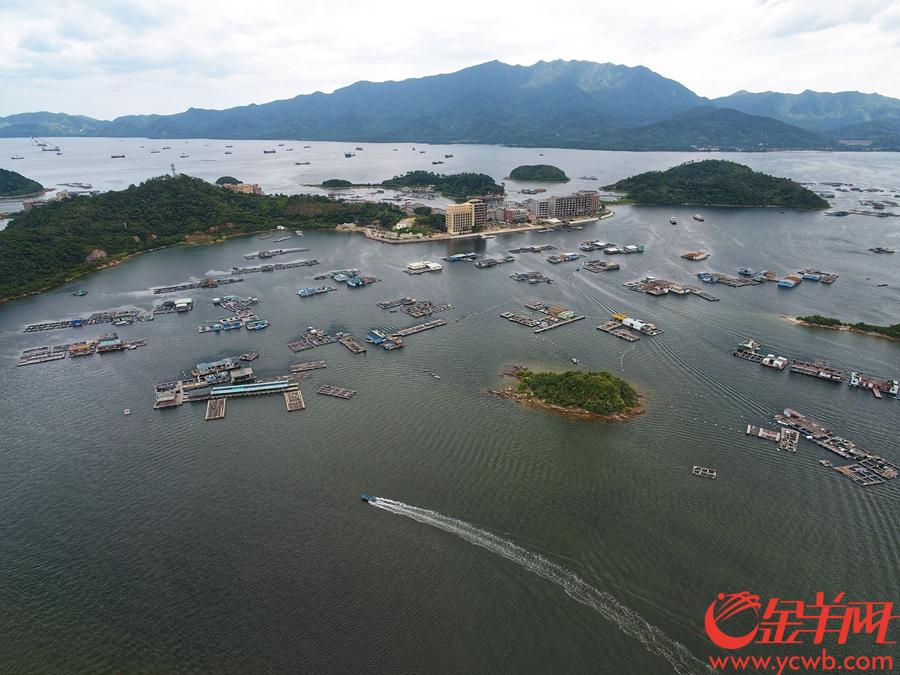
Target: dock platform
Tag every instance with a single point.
(293, 400)
(618, 329)
(215, 409)
(337, 392)
(307, 365)
(418, 328)
(350, 343)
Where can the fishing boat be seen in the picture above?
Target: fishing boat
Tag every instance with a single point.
(673, 221)
(698, 217)
(80, 292)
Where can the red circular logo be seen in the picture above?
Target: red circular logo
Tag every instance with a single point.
(726, 606)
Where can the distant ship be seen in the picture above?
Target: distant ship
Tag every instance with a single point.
(184, 156)
(117, 156)
(154, 152)
(697, 216)
(228, 152)
(17, 157)
(876, 249)
(447, 156)
(80, 292)
(349, 154)
(673, 221)
(575, 361)
(438, 162)
(301, 163)
(268, 152)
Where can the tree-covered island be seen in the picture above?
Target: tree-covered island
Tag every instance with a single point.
(59, 241)
(597, 395)
(539, 173)
(716, 182)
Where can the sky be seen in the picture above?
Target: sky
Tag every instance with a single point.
(105, 58)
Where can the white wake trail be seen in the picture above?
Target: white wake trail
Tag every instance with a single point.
(627, 620)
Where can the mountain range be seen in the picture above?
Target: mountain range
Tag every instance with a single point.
(573, 104)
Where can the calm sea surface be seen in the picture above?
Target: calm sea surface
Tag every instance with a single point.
(159, 542)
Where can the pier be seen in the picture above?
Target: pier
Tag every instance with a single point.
(533, 249)
(418, 328)
(337, 392)
(205, 283)
(293, 400)
(215, 409)
(118, 317)
(308, 365)
(274, 252)
(274, 267)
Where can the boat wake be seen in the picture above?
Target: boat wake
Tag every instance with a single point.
(625, 619)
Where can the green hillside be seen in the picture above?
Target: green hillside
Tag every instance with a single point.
(14, 184)
(716, 182)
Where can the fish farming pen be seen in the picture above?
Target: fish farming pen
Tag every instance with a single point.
(350, 343)
(293, 400)
(597, 266)
(493, 262)
(531, 278)
(274, 267)
(337, 392)
(704, 472)
(392, 304)
(618, 329)
(523, 320)
(533, 249)
(205, 283)
(274, 252)
(95, 319)
(725, 280)
(100, 345)
(312, 338)
(307, 366)
(215, 409)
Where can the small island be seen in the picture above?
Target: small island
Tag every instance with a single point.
(14, 184)
(716, 182)
(457, 186)
(539, 173)
(597, 396)
(891, 332)
(336, 183)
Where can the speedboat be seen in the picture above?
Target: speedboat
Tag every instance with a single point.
(127, 411)
(366, 497)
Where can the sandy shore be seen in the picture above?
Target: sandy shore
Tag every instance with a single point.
(844, 328)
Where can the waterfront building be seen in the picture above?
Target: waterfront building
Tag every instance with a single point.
(463, 218)
(582, 203)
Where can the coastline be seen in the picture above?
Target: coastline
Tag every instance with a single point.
(115, 261)
(205, 240)
(371, 233)
(843, 328)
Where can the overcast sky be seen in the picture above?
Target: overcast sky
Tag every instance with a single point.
(105, 58)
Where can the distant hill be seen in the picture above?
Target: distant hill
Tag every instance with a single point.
(14, 184)
(706, 127)
(715, 182)
(570, 104)
(815, 110)
(49, 244)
